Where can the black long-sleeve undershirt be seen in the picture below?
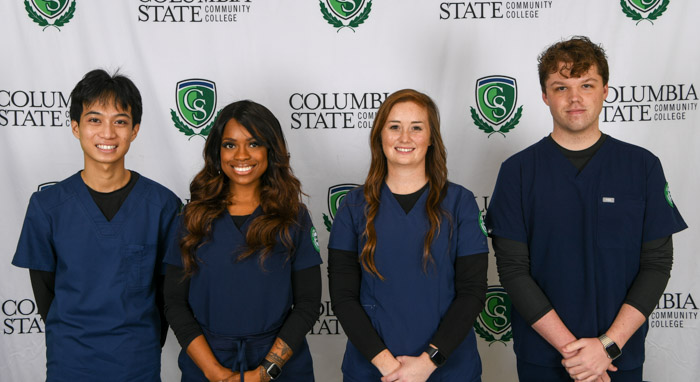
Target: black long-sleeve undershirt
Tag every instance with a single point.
(513, 263)
(345, 275)
(43, 286)
(306, 290)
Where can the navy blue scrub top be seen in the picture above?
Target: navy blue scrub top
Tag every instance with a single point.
(237, 298)
(406, 308)
(584, 232)
(103, 323)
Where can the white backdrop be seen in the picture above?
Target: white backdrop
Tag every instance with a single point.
(324, 83)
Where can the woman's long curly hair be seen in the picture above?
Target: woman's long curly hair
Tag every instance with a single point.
(435, 169)
(280, 190)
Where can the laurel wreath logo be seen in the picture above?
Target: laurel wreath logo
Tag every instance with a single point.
(490, 338)
(488, 129)
(183, 128)
(634, 15)
(61, 21)
(327, 222)
(354, 23)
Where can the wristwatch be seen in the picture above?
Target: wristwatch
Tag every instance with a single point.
(271, 369)
(610, 347)
(435, 356)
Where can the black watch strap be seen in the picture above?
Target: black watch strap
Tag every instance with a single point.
(271, 369)
(435, 356)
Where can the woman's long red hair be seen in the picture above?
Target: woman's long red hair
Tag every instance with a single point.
(435, 169)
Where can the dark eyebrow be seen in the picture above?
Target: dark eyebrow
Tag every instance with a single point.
(125, 115)
(393, 120)
(234, 140)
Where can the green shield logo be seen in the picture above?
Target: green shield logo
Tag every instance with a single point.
(643, 5)
(50, 8)
(345, 9)
(493, 323)
(46, 185)
(496, 98)
(336, 194)
(196, 101)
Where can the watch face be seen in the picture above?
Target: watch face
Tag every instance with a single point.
(435, 356)
(613, 351)
(439, 359)
(272, 369)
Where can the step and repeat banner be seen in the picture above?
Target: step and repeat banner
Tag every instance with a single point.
(324, 67)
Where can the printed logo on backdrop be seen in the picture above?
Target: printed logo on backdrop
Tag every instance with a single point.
(189, 11)
(493, 323)
(670, 103)
(675, 310)
(50, 13)
(334, 110)
(196, 102)
(496, 99)
(336, 194)
(345, 13)
(476, 10)
(327, 323)
(31, 108)
(21, 316)
(640, 10)
(44, 186)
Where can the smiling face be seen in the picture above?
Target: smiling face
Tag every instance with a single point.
(243, 159)
(406, 136)
(575, 102)
(105, 132)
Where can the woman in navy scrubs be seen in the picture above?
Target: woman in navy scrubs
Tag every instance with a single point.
(408, 256)
(243, 284)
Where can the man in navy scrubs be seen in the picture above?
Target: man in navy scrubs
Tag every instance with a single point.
(94, 245)
(581, 226)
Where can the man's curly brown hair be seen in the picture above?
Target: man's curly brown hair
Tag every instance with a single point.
(577, 54)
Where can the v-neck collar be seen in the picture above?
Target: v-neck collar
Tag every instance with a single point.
(107, 227)
(569, 168)
(244, 228)
(386, 193)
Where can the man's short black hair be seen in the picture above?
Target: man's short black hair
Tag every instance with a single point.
(98, 86)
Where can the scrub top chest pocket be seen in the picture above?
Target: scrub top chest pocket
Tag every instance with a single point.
(620, 221)
(140, 264)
